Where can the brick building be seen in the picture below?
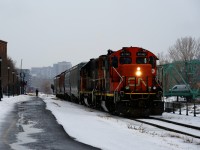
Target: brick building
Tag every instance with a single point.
(3, 55)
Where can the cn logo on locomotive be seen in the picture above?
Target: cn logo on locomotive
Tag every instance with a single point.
(132, 80)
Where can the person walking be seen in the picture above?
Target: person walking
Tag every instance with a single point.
(36, 92)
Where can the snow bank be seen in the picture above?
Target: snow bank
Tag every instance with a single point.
(7, 104)
(109, 132)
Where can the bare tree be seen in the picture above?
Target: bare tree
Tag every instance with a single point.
(185, 49)
(198, 49)
(181, 53)
(46, 87)
(11, 64)
(163, 58)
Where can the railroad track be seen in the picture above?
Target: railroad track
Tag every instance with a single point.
(176, 123)
(180, 128)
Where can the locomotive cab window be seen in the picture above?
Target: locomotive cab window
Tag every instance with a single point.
(141, 60)
(115, 62)
(125, 60)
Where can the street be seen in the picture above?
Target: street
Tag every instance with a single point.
(31, 126)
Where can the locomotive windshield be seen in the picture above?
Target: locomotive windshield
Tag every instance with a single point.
(141, 60)
(125, 60)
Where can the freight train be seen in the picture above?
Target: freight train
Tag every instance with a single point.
(120, 82)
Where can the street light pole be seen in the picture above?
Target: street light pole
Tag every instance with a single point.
(16, 84)
(1, 95)
(22, 76)
(8, 81)
(23, 83)
(13, 73)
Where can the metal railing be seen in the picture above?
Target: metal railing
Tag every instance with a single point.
(183, 107)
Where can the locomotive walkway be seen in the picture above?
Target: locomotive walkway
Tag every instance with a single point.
(31, 126)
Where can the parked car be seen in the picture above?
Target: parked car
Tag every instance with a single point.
(180, 88)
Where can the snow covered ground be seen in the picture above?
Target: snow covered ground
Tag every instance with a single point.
(7, 104)
(109, 132)
(115, 133)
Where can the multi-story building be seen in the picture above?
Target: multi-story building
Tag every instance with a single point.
(60, 67)
(55, 70)
(8, 74)
(3, 55)
(44, 74)
(50, 72)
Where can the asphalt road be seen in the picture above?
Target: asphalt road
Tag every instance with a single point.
(31, 126)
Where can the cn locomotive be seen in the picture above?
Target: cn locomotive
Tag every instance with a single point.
(120, 82)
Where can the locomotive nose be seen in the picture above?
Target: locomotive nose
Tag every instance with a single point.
(137, 77)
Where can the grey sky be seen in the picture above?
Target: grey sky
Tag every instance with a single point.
(43, 32)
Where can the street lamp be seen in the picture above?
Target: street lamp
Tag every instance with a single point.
(13, 91)
(8, 81)
(1, 95)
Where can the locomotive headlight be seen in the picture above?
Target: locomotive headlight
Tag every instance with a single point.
(138, 72)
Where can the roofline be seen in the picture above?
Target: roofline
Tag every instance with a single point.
(1, 41)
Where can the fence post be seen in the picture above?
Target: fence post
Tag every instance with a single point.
(179, 108)
(173, 107)
(177, 99)
(194, 109)
(186, 108)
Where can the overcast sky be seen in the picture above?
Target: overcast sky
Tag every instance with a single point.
(44, 32)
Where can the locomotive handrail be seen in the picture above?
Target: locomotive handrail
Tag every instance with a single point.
(159, 84)
(121, 80)
(97, 79)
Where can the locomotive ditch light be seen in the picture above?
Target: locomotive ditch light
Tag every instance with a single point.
(153, 71)
(149, 88)
(138, 72)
